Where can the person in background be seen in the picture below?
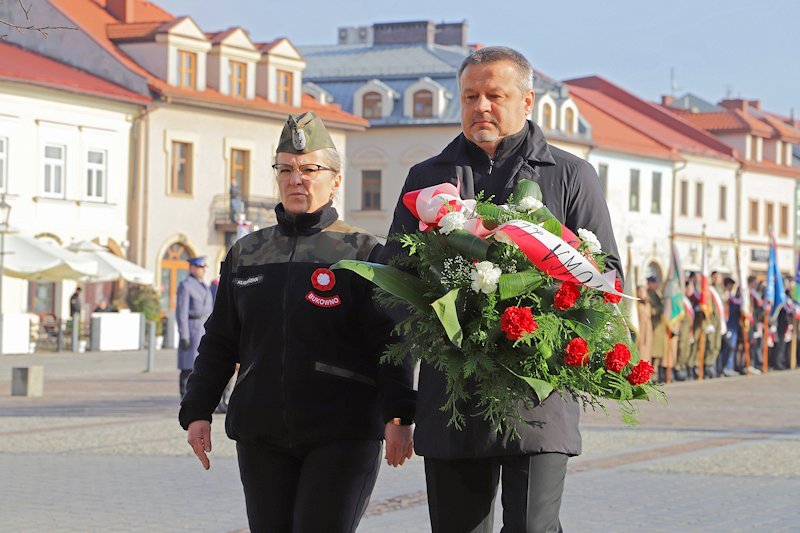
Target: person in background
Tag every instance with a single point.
(194, 305)
(312, 402)
(659, 322)
(644, 339)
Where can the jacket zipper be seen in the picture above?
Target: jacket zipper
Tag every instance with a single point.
(286, 337)
(491, 164)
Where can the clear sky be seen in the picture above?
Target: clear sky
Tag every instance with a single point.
(740, 48)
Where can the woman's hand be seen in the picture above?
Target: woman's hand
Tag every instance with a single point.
(399, 444)
(199, 438)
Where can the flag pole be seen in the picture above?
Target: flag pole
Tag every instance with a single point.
(765, 365)
(701, 351)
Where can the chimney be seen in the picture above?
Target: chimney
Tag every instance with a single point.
(122, 10)
(667, 100)
(734, 103)
(451, 34)
(415, 32)
(755, 104)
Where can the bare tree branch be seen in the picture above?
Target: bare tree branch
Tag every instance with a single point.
(19, 28)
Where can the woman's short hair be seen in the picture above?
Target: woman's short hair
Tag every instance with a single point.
(493, 54)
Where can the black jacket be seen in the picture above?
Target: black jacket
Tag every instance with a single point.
(308, 341)
(571, 190)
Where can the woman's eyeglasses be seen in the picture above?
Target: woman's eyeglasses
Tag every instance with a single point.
(308, 172)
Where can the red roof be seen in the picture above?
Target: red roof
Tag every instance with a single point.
(91, 17)
(133, 31)
(728, 121)
(17, 64)
(650, 120)
(784, 130)
(609, 133)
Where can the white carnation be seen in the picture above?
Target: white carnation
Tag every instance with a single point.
(591, 240)
(452, 221)
(502, 238)
(485, 276)
(529, 203)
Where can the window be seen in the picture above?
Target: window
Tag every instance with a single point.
(547, 117)
(237, 74)
(655, 194)
(783, 221)
(240, 173)
(753, 225)
(723, 202)
(285, 88)
(684, 207)
(3, 163)
(54, 163)
(371, 190)
(96, 175)
(769, 217)
(181, 182)
(569, 120)
(633, 198)
(602, 173)
(371, 105)
(698, 194)
(187, 66)
(423, 104)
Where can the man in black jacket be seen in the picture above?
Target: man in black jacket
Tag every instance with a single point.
(499, 147)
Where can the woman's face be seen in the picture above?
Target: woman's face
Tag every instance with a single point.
(305, 181)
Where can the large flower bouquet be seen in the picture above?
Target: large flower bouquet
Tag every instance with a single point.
(510, 305)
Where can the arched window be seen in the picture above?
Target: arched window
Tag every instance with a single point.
(174, 269)
(371, 105)
(423, 104)
(569, 120)
(547, 117)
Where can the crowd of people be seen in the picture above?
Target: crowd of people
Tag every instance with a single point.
(715, 338)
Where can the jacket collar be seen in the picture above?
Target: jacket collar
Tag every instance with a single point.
(534, 148)
(306, 223)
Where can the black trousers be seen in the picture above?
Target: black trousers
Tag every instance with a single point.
(309, 490)
(461, 493)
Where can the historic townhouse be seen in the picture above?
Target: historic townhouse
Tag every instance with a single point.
(402, 77)
(203, 146)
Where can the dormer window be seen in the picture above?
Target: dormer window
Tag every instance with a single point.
(569, 121)
(423, 104)
(547, 117)
(187, 69)
(237, 77)
(371, 105)
(285, 87)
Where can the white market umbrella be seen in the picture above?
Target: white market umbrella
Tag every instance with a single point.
(35, 259)
(111, 267)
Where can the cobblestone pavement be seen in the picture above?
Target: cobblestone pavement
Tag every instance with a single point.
(102, 451)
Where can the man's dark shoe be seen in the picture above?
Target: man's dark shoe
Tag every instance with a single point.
(679, 374)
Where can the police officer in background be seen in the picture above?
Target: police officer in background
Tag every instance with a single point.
(195, 303)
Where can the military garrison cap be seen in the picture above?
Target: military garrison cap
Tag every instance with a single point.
(303, 134)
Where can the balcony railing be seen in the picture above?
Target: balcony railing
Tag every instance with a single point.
(258, 210)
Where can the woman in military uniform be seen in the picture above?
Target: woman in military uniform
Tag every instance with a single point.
(311, 403)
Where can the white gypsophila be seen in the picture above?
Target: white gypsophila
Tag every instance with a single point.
(591, 240)
(452, 221)
(529, 203)
(485, 276)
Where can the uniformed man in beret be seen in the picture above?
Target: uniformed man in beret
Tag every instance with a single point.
(195, 303)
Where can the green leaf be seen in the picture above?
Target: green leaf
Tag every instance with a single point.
(392, 280)
(468, 245)
(585, 322)
(445, 309)
(553, 226)
(527, 188)
(513, 285)
(541, 387)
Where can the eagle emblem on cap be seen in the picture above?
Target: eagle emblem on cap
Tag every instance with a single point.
(299, 139)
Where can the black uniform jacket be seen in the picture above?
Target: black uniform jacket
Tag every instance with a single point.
(308, 340)
(571, 190)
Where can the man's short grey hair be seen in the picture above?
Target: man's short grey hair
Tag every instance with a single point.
(493, 54)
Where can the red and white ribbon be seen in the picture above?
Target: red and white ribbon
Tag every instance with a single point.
(430, 204)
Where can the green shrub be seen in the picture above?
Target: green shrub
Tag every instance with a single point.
(145, 299)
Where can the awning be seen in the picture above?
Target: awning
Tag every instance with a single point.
(111, 267)
(35, 259)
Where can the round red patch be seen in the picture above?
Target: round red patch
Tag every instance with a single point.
(323, 279)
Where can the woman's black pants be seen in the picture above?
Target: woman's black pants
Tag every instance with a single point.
(309, 489)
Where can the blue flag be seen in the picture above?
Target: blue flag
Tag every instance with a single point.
(775, 295)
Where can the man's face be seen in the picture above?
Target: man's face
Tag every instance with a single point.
(198, 271)
(492, 104)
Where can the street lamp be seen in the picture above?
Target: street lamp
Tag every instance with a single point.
(5, 212)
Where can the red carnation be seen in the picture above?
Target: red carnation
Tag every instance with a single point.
(516, 322)
(618, 357)
(577, 352)
(641, 373)
(566, 295)
(613, 298)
